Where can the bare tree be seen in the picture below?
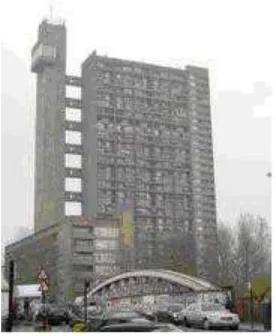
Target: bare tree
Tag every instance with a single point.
(226, 240)
(244, 250)
(253, 246)
(177, 252)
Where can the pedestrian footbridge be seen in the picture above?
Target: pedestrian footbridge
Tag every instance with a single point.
(150, 282)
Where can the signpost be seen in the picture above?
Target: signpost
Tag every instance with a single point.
(86, 286)
(43, 280)
(251, 304)
(11, 301)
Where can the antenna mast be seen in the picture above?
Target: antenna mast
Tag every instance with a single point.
(51, 13)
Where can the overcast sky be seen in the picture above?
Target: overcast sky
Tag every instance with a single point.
(232, 38)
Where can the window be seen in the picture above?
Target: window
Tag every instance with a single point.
(73, 184)
(73, 137)
(106, 232)
(73, 161)
(73, 209)
(81, 230)
(73, 114)
(73, 92)
(105, 244)
(83, 243)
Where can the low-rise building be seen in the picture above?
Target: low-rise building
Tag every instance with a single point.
(70, 253)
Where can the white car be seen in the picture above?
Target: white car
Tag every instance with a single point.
(209, 315)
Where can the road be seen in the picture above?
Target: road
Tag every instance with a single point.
(244, 327)
(66, 328)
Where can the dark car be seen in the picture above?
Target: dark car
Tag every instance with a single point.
(139, 326)
(114, 318)
(161, 313)
(129, 327)
(55, 315)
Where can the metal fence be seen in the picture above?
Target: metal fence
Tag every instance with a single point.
(260, 310)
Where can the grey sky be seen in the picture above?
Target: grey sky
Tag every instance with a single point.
(176, 33)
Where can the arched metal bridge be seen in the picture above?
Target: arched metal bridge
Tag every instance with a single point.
(150, 282)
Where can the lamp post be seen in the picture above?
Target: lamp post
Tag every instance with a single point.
(11, 308)
(86, 286)
(251, 303)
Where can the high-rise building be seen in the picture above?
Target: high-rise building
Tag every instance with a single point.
(133, 149)
(147, 140)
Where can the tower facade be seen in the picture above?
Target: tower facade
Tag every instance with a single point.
(83, 245)
(49, 63)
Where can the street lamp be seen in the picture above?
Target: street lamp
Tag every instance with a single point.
(11, 289)
(86, 286)
(251, 302)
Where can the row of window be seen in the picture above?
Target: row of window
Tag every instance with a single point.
(163, 109)
(106, 257)
(127, 130)
(83, 231)
(83, 243)
(152, 103)
(132, 72)
(106, 270)
(153, 91)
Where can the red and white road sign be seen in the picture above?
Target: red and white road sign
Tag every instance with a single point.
(43, 280)
(42, 275)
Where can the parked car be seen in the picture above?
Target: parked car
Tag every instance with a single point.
(161, 313)
(139, 325)
(148, 313)
(54, 314)
(173, 312)
(122, 317)
(94, 322)
(209, 315)
(128, 327)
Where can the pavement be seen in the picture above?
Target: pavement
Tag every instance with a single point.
(246, 326)
(29, 327)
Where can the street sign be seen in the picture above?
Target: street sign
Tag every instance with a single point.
(43, 280)
(42, 275)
